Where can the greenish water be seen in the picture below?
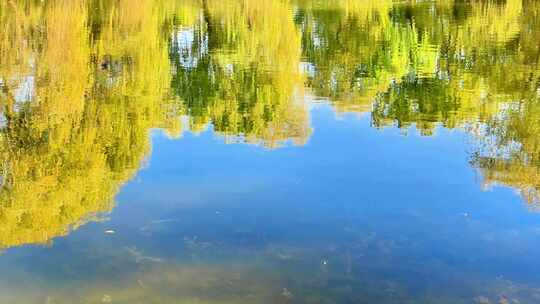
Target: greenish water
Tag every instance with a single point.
(269, 151)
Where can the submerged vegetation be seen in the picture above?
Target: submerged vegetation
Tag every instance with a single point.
(83, 81)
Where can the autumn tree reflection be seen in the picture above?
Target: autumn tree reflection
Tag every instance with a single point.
(77, 104)
(238, 69)
(471, 65)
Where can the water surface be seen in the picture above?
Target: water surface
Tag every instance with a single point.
(269, 151)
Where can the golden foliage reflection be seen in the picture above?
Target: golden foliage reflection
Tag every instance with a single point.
(83, 81)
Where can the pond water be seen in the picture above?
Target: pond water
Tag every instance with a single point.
(269, 151)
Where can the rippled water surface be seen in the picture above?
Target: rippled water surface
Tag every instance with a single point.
(269, 151)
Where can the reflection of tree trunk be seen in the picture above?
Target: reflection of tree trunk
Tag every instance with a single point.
(8, 104)
(212, 39)
(206, 13)
(206, 17)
